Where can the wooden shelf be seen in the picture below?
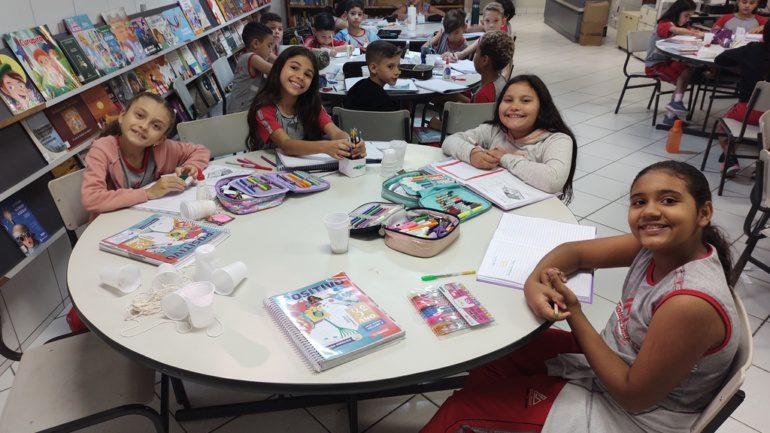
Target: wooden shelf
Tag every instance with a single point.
(23, 115)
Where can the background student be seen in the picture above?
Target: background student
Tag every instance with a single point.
(491, 19)
(745, 18)
(494, 53)
(449, 38)
(354, 34)
(527, 136)
(287, 112)
(133, 152)
(382, 59)
(273, 22)
(323, 35)
(673, 22)
(666, 349)
(251, 67)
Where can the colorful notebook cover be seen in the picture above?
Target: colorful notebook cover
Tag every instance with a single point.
(144, 36)
(81, 64)
(16, 88)
(101, 105)
(72, 120)
(161, 31)
(22, 225)
(332, 321)
(162, 239)
(127, 39)
(47, 140)
(42, 59)
(192, 15)
(178, 24)
(93, 44)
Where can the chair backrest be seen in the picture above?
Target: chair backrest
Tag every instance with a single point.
(736, 376)
(462, 117)
(760, 98)
(353, 69)
(184, 95)
(638, 41)
(65, 191)
(764, 156)
(223, 73)
(222, 135)
(376, 125)
(764, 129)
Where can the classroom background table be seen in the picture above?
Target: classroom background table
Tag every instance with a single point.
(286, 248)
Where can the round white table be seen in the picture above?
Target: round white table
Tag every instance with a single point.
(285, 248)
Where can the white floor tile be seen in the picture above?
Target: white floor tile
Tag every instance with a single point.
(591, 108)
(645, 129)
(631, 141)
(410, 417)
(573, 117)
(762, 348)
(659, 148)
(600, 186)
(58, 327)
(641, 159)
(608, 283)
(731, 224)
(606, 150)
(132, 424)
(438, 397)
(3, 397)
(613, 215)
(592, 132)
(731, 425)
(755, 323)
(753, 411)
(732, 203)
(584, 204)
(287, 421)
(619, 171)
(6, 380)
(335, 417)
(590, 163)
(755, 296)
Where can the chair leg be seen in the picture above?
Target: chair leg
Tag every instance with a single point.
(752, 241)
(652, 95)
(164, 402)
(690, 103)
(708, 146)
(622, 93)
(723, 174)
(352, 414)
(180, 393)
(657, 102)
(708, 110)
(120, 411)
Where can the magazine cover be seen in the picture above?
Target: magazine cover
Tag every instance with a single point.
(221, 47)
(16, 89)
(200, 54)
(216, 11)
(151, 78)
(41, 58)
(113, 45)
(100, 105)
(178, 24)
(166, 70)
(227, 9)
(205, 22)
(192, 15)
(144, 36)
(189, 59)
(129, 44)
(178, 65)
(72, 120)
(161, 31)
(83, 67)
(22, 225)
(47, 140)
(232, 42)
(93, 44)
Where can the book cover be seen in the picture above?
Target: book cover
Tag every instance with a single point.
(162, 238)
(47, 140)
(218, 43)
(129, 43)
(230, 40)
(100, 105)
(92, 42)
(198, 7)
(201, 56)
(70, 165)
(190, 60)
(41, 58)
(208, 90)
(114, 46)
(178, 65)
(72, 120)
(226, 8)
(121, 89)
(22, 225)
(332, 321)
(216, 12)
(16, 88)
(166, 70)
(151, 78)
(161, 31)
(83, 67)
(192, 15)
(178, 24)
(144, 36)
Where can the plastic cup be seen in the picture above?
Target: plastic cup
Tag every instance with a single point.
(708, 38)
(125, 278)
(338, 226)
(205, 262)
(400, 147)
(198, 209)
(199, 297)
(226, 278)
(174, 306)
(167, 276)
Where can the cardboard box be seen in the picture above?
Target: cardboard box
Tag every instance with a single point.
(645, 28)
(594, 25)
(627, 23)
(648, 15)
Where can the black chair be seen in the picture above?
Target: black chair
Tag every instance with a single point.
(637, 41)
(353, 69)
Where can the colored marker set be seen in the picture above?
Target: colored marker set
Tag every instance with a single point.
(425, 226)
(414, 185)
(247, 194)
(449, 308)
(251, 186)
(297, 181)
(459, 202)
(421, 232)
(370, 216)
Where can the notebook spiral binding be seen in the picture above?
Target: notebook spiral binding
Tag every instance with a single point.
(309, 354)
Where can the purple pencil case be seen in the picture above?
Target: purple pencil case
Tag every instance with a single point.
(229, 193)
(369, 217)
(297, 181)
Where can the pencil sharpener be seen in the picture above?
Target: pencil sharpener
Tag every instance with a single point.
(353, 167)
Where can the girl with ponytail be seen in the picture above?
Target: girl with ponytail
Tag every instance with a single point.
(666, 349)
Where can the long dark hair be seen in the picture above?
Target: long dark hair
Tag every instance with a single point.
(548, 118)
(698, 187)
(676, 9)
(308, 104)
(113, 127)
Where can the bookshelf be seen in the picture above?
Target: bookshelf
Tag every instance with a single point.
(300, 14)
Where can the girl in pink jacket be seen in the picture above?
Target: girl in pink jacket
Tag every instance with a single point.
(133, 152)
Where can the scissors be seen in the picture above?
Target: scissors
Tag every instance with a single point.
(246, 162)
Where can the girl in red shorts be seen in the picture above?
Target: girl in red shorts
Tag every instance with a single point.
(673, 22)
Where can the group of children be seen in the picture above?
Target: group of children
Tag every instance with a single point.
(661, 357)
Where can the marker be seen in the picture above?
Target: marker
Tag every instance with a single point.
(455, 274)
(268, 161)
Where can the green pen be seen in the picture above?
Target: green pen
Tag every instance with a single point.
(455, 274)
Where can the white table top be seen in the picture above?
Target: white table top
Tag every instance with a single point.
(670, 48)
(286, 248)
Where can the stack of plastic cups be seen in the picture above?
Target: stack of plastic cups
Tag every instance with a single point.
(391, 163)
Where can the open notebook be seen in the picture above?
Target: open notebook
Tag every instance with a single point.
(520, 242)
(324, 162)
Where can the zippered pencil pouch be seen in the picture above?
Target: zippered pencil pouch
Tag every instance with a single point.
(421, 232)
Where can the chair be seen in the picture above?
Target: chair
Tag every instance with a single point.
(184, 95)
(376, 125)
(222, 135)
(764, 130)
(353, 69)
(462, 117)
(730, 396)
(65, 191)
(638, 41)
(223, 74)
(756, 231)
(740, 132)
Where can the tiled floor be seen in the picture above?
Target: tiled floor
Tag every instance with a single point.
(586, 83)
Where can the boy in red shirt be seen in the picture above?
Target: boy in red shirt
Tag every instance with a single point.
(323, 35)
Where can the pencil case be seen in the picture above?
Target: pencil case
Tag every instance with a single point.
(393, 190)
(369, 217)
(421, 232)
(455, 200)
(229, 193)
(297, 181)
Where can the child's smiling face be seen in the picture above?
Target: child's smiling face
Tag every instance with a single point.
(296, 75)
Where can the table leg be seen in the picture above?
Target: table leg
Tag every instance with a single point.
(180, 393)
(353, 414)
(164, 402)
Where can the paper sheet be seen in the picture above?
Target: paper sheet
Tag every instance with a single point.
(465, 66)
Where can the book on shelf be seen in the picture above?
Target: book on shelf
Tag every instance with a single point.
(192, 15)
(237, 30)
(520, 242)
(92, 43)
(498, 185)
(113, 45)
(70, 165)
(168, 75)
(144, 36)
(129, 43)
(198, 8)
(230, 39)
(200, 54)
(72, 120)
(101, 105)
(220, 45)
(45, 137)
(190, 62)
(178, 65)
(16, 88)
(228, 9)
(178, 24)
(85, 70)
(22, 225)
(215, 13)
(151, 77)
(161, 31)
(162, 238)
(180, 112)
(208, 90)
(124, 87)
(332, 321)
(40, 56)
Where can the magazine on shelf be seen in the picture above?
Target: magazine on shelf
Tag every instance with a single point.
(498, 186)
(72, 120)
(129, 43)
(178, 24)
(92, 43)
(151, 77)
(190, 62)
(144, 36)
(113, 45)
(200, 54)
(40, 56)
(85, 70)
(192, 15)
(332, 321)
(161, 31)
(162, 238)
(324, 162)
(231, 40)
(520, 242)
(178, 65)
(101, 105)
(22, 225)
(220, 45)
(228, 9)
(45, 137)
(20, 94)
(216, 12)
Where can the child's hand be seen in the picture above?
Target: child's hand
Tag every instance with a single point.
(187, 170)
(757, 30)
(482, 159)
(541, 296)
(338, 149)
(165, 185)
(359, 150)
(449, 57)
(558, 281)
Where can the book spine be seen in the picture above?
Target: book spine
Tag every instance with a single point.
(309, 354)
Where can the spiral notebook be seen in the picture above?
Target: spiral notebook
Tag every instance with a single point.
(332, 321)
(324, 162)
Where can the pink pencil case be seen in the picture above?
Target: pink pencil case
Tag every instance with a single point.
(414, 242)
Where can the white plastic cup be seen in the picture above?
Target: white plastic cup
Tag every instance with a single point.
(708, 37)
(198, 209)
(431, 59)
(174, 306)
(205, 262)
(167, 276)
(227, 278)
(400, 147)
(125, 278)
(338, 226)
(199, 297)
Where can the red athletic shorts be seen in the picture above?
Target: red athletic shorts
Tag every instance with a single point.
(513, 393)
(739, 110)
(668, 71)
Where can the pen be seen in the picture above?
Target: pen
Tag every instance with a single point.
(267, 160)
(435, 277)
(239, 164)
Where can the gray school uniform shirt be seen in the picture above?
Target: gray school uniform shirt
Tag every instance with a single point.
(584, 405)
(245, 86)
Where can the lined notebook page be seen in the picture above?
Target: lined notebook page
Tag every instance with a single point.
(520, 242)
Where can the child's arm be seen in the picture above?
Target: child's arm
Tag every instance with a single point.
(666, 28)
(470, 49)
(258, 64)
(471, 147)
(551, 173)
(433, 10)
(337, 148)
(721, 21)
(356, 150)
(433, 41)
